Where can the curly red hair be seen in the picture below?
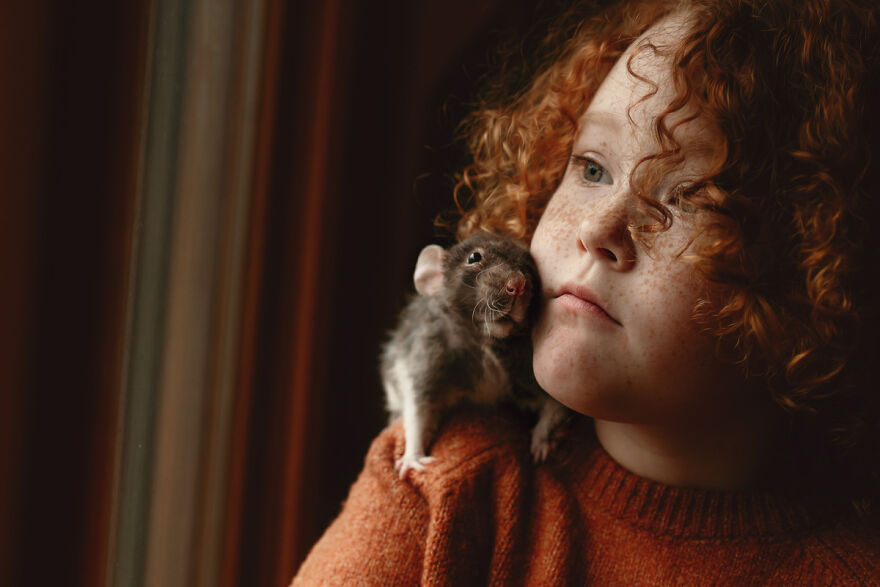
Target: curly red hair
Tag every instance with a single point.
(790, 199)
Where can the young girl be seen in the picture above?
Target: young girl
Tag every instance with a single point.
(697, 183)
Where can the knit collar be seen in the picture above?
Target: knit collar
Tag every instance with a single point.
(696, 513)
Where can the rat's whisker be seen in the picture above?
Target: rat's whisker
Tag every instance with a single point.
(489, 319)
(474, 313)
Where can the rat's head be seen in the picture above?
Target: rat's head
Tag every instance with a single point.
(487, 279)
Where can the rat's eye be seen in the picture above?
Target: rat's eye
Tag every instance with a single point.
(474, 257)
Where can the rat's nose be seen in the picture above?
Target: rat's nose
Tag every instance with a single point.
(516, 286)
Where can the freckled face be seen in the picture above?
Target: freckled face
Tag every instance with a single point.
(615, 339)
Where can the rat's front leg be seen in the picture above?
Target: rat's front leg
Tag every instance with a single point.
(418, 424)
(551, 415)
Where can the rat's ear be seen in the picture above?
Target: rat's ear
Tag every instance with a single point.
(428, 276)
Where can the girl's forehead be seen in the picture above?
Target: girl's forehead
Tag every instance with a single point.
(641, 80)
(640, 87)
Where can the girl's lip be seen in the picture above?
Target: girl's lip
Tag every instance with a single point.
(581, 298)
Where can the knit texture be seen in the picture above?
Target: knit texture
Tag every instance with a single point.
(483, 513)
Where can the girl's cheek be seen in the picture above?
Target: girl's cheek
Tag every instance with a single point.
(667, 292)
(556, 228)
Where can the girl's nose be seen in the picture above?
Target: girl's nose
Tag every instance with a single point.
(604, 233)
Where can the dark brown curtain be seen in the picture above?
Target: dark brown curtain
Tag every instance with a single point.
(358, 102)
(69, 110)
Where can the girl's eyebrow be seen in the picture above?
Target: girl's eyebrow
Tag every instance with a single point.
(602, 118)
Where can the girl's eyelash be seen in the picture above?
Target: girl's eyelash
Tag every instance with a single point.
(579, 162)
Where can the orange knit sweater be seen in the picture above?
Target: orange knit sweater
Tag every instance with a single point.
(484, 514)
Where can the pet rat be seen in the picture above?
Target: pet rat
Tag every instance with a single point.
(465, 338)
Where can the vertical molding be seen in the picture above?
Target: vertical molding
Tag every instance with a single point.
(223, 383)
(198, 379)
(147, 294)
(181, 381)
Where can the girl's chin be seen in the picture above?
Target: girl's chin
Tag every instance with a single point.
(587, 401)
(561, 374)
(573, 369)
(566, 346)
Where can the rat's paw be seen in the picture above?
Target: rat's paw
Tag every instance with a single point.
(541, 446)
(546, 433)
(408, 463)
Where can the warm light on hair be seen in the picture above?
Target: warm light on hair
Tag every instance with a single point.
(788, 197)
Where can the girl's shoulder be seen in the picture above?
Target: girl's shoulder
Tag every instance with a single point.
(441, 521)
(485, 509)
(470, 441)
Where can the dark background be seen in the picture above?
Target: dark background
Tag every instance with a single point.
(70, 108)
(409, 72)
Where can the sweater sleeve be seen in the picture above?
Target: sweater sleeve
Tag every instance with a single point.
(379, 537)
(436, 527)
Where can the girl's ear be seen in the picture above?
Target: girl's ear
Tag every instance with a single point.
(428, 275)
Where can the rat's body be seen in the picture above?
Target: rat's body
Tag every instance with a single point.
(465, 338)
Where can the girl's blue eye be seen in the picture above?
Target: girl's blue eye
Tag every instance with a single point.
(592, 172)
(595, 173)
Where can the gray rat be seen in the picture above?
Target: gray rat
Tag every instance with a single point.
(465, 338)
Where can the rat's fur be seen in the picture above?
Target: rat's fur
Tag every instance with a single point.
(465, 338)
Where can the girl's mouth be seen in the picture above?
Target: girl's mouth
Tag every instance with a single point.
(582, 300)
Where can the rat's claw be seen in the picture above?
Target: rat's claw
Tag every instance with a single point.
(407, 463)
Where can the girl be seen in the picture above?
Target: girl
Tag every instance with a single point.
(696, 181)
